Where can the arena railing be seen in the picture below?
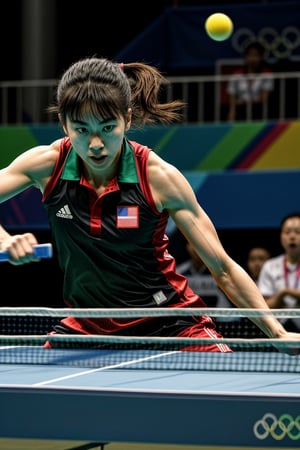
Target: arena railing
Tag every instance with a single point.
(26, 101)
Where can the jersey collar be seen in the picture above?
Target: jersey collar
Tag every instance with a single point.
(127, 171)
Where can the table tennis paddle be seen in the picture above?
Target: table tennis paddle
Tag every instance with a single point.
(40, 251)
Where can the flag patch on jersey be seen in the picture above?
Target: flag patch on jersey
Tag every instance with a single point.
(127, 217)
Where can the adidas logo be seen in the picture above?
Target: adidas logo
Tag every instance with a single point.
(64, 213)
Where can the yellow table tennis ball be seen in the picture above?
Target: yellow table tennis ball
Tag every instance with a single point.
(219, 26)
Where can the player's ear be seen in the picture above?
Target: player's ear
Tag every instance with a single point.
(128, 119)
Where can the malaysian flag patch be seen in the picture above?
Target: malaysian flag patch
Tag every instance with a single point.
(127, 217)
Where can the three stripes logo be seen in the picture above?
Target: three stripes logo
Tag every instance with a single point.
(285, 426)
(64, 213)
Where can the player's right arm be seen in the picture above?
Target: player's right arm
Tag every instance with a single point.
(32, 168)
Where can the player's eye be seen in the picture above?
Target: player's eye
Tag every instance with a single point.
(108, 128)
(81, 130)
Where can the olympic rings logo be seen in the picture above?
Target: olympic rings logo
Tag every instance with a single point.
(278, 429)
(278, 45)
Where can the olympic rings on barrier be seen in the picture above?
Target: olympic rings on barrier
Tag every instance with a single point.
(278, 429)
(278, 45)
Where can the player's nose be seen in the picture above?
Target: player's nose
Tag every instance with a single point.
(96, 144)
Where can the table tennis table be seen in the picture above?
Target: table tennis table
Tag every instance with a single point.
(123, 403)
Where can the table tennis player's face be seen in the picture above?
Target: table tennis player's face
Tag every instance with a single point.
(97, 141)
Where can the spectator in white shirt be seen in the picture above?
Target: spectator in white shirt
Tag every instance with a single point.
(279, 279)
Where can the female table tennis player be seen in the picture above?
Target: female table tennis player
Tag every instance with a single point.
(108, 200)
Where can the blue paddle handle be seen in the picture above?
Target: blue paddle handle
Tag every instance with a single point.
(40, 251)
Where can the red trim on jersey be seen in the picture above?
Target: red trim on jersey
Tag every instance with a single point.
(65, 145)
(142, 153)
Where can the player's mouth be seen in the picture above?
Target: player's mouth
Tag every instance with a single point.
(98, 159)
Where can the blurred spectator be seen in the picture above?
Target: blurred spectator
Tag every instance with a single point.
(279, 279)
(250, 86)
(255, 259)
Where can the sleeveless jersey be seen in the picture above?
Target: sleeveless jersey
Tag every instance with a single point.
(112, 248)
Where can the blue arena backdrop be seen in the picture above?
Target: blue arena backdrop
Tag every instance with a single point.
(176, 40)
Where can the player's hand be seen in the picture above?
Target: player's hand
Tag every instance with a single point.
(285, 346)
(20, 247)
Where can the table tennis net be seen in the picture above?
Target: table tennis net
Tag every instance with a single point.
(25, 338)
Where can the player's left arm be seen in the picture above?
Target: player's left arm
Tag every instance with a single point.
(172, 191)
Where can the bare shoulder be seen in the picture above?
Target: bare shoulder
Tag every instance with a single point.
(45, 158)
(37, 163)
(46, 152)
(159, 167)
(169, 186)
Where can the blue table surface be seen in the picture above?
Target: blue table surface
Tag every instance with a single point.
(168, 401)
(127, 372)
(151, 380)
